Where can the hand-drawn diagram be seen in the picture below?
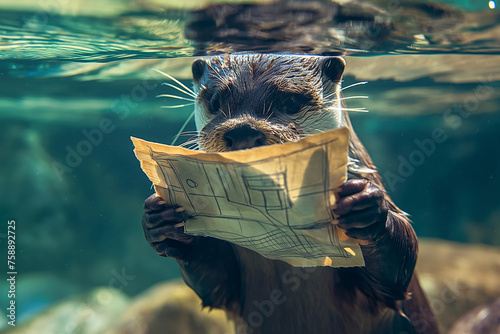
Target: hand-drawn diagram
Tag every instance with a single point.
(273, 200)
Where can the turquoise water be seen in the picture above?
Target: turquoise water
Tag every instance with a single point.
(77, 82)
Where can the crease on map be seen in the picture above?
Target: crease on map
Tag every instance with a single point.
(273, 199)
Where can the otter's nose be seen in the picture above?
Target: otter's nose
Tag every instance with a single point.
(244, 137)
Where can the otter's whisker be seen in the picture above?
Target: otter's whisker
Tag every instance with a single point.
(194, 137)
(355, 109)
(177, 88)
(270, 106)
(177, 106)
(182, 128)
(188, 91)
(189, 133)
(346, 97)
(270, 114)
(354, 84)
(191, 144)
(188, 144)
(175, 97)
(354, 97)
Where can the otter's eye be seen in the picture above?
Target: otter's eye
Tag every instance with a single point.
(292, 103)
(214, 105)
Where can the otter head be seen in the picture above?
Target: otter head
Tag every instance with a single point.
(246, 101)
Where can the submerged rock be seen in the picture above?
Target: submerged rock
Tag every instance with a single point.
(83, 314)
(458, 277)
(36, 293)
(481, 320)
(171, 307)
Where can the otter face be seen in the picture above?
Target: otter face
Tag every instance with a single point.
(246, 101)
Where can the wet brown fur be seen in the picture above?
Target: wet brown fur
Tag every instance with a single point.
(349, 300)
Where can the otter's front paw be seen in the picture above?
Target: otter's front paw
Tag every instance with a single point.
(362, 209)
(163, 227)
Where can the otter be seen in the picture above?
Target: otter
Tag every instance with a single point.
(251, 100)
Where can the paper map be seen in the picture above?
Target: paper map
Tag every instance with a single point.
(273, 199)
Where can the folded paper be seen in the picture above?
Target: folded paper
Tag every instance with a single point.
(274, 199)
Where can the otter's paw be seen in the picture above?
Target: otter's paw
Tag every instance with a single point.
(362, 209)
(163, 227)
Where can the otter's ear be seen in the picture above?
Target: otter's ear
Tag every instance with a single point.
(333, 67)
(198, 69)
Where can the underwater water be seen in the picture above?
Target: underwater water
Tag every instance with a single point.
(77, 79)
